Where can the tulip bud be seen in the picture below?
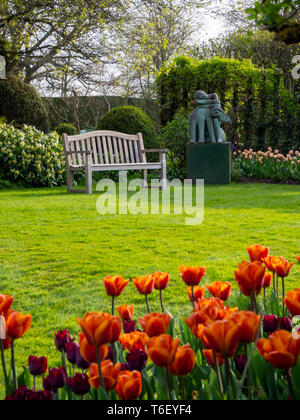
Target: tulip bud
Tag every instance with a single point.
(270, 323)
(285, 323)
(136, 359)
(61, 339)
(129, 326)
(25, 394)
(80, 361)
(37, 366)
(79, 384)
(240, 363)
(55, 380)
(71, 351)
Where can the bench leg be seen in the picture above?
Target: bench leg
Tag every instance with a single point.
(69, 181)
(163, 174)
(145, 178)
(89, 180)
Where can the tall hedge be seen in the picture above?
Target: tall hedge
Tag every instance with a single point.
(130, 120)
(21, 104)
(262, 110)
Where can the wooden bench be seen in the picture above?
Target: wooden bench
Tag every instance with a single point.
(109, 151)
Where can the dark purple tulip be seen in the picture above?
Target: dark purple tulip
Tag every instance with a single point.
(79, 384)
(129, 326)
(25, 394)
(37, 365)
(285, 323)
(71, 351)
(61, 339)
(270, 323)
(55, 380)
(109, 354)
(137, 359)
(80, 361)
(124, 366)
(240, 363)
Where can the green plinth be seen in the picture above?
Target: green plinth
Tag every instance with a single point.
(209, 161)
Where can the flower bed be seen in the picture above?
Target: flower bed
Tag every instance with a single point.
(223, 352)
(267, 166)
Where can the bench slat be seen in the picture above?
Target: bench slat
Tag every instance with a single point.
(116, 150)
(120, 143)
(78, 149)
(137, 151)
(126, 151)
(110, 150)
(95, 153)
(105, 150)
(100, 150)
(132, 160)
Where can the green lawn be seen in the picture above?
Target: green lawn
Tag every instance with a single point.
(55, 248)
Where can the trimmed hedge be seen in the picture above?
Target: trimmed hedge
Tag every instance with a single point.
(130, 120)
(31, 158)
(21, 104)
(65, 128)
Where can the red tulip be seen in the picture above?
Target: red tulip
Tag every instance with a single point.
(257, 252)
(144, 284)
(5, 303)
(199, 293)
(100, 328)
(292, 302)
(192, 275)
(115, 285)
(17, 324)
(250, 277)
(155, 324)
(220, 289)
(37, 366)
(129, 385)
(161, 280)
(126, 312)
(184, 361)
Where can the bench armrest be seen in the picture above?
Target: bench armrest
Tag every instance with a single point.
(155, 151)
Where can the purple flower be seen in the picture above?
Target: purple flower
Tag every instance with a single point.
(25, 394)
(137, 359)
(109, 354)
(71, 351)
(285, 323)
(129, 326)
(61, 339)
(55, 380)
(79, 384)
(124, 366)
(37, 366)
(80, 361)
(270, 323)
(240, 363)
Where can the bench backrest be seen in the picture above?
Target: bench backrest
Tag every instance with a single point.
(107, 147)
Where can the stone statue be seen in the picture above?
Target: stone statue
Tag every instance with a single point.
(206, 119)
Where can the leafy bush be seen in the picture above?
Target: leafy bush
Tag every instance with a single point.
(174, 137)
(65, 128)
(130, 120)
(30, 157)
(270, 165)
(21, 104)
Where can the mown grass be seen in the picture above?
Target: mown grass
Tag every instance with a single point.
(55, 248)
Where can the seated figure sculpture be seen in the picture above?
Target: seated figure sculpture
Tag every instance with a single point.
(206, 119)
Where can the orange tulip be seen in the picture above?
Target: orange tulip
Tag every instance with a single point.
(17, 324)
(126, 312)
(192, 275)
(270, 262)
(161, 280)
(249, 324)
(5, 303)
(283, 267)
(110, 374)
(184, 362)
(155, 324)
(100, 328)
(89, 352)
(292, 302)
(162, 349)
(144, 284)
(257, 252)
(133, 340)
(268, 279)
(199, 293)
(250, 277)
(221, 336)
(298, 259)
(129, 385)
(115, 285)
(220, 289)
(281, 349)
(209, 355)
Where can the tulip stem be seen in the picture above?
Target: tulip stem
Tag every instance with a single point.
(248, 381)
(290, 383)
(168, 383)
(218, 373)
(161, 301)
(183, 391)
(34, 383)
(254, 303)
(99, 368)
(3, 363)
(227, 368)
(283, 296)
(147, 303)
(13, 364)
(113, 306)
(113, 353)
(193, 297)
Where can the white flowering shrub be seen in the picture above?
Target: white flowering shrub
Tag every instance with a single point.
(30, 157)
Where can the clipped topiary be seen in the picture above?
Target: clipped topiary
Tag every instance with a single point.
(65, 128)
(130, 120)
(21, 104)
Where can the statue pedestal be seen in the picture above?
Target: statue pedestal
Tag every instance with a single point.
(209, 161)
